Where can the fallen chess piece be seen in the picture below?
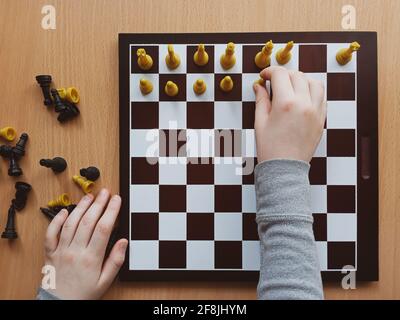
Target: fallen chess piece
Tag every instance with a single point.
(13, 154)
(61, 200)
(52, 212)
(21, 195)
(8, 133)
(90, 173)
(45, 81)
(70, 94)
(10, 232)
(66, 109)
(85, 184)
(56, 164)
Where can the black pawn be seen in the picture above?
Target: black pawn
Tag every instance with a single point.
(14, 169)
(21, 194)
(9, 232)
(19, 149)
(90, 173)
(45, 81)
(6, 151)
(49, 213)
(59, 105)
(56, 164)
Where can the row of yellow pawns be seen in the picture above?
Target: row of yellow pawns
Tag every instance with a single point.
(227, 61)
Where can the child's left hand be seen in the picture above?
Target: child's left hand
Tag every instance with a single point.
(76, 244)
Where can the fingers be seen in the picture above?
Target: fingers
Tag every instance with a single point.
(104, 227)
(53, 231)
(280, 82)
(90, 218)
(317, 92)
(113, 264)
(300, 84)
(71, 224)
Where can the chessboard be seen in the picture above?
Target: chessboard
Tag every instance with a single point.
(187, 161)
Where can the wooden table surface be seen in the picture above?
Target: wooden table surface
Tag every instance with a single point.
(83, 51)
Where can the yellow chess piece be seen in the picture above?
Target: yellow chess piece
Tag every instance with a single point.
(62, 200)
(260, 81)
(171, 89)
(199, 87)
(228, 59)
(263, 58)
(284, 55)
(70, 94)
(344, 55)
(200, 57)
(85, 184)
(226, 84)
(172, 59)
(8, 133)
(144, 61)
(145, 86)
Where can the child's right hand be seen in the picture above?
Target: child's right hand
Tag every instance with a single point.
(290, 126)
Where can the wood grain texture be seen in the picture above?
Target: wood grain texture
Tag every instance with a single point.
(83, 52)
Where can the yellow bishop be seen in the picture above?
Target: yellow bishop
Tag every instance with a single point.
(171, 89)
(344, 55)
(228, 58)
(144, 61)
(172, 59)
(145, 86)
(284, 55)
(226, 84)
(263, 58)
(199, 87)
(200, 57)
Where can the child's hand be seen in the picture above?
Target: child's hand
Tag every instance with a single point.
(75, 245)
(290, 126)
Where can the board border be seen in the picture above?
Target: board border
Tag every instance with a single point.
(367, 147)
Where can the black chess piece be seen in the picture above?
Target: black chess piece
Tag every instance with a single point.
(9, 232)
(71, 208)
(5, 151)
(70, 111)
(56, 164)
(19, 149)
(49, 213)
(45, 81)
(21, 194)
(59, 104)
(90, 173)
(14, 169)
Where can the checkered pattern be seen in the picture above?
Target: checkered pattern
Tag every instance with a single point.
(192, 198)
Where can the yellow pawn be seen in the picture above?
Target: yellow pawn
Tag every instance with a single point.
(144, 61)
(172, 59)
(228, 59)
(62, 200)
(145, 86)
(8, 133)
(263, 58)
(171, 89)
(344, 55)
(260, 81)
(71, 94)
(199, 87)
(284, 55)
(85, 184)
(200, 57)
(226, 84)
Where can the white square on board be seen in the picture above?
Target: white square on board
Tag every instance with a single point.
(341, 170)
(200, 142)
(136, 94)
(341, 115)
(251, 255)
(293, 63)
(219, 49)
(227, 171)
(248, 80)
(208, 95)
(248, 199)
(318, 199)
(321, 148)
(341, 227)
(228, 226)
(144, 143)
(143, 255)
(180, 49)
(333, 66)
(172, 226)
(200, 198)
(172, 115)
(228, 114)
(172, 170)
(249, 143)
(322, 252)
(144, 198)
(200, 255)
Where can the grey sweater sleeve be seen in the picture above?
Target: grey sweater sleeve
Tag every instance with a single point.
(289, 262)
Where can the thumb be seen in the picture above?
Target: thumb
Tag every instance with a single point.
(113, 264)
(263, 103)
